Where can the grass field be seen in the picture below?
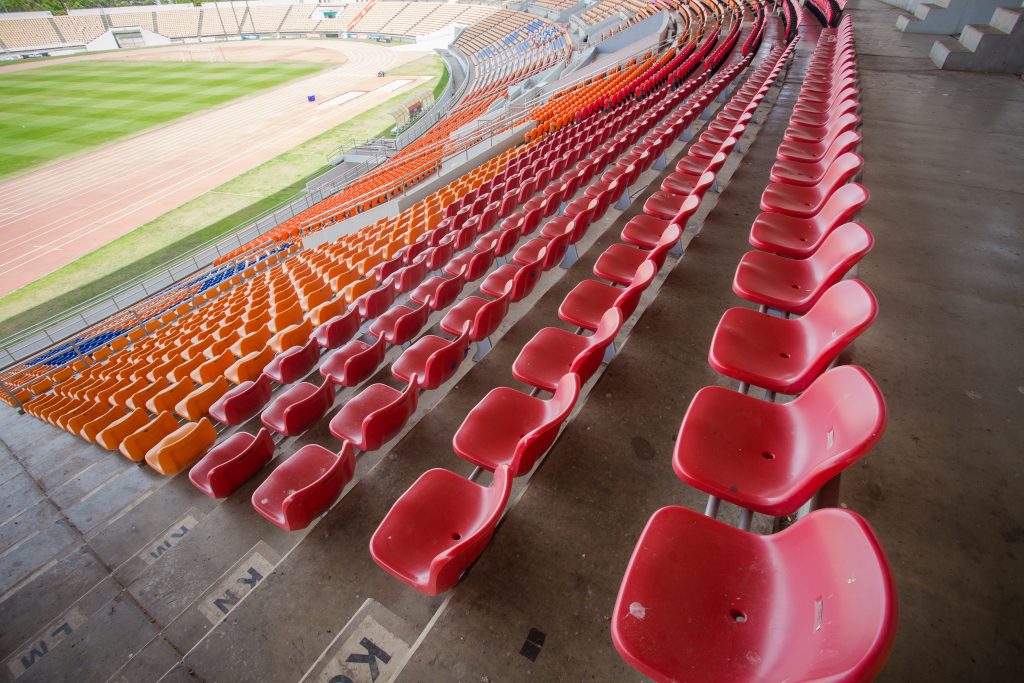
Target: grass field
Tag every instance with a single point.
(206, 217)
(65, 109)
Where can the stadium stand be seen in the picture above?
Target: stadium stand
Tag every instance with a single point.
(128, 19)
(350, 337)
(28, 33)
(85, 28)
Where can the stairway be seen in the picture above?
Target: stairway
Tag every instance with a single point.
(947, 17)
(997, 46)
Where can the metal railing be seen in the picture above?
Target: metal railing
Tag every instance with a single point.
(23, 345)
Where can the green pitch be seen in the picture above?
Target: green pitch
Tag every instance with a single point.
(65, 109)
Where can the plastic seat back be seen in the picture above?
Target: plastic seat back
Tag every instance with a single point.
(589, 359)
(669, 238)
(294, 411)
(436, 258)
(372, 304)
(844, 246)
(442, 363)
(406, 279)
(556, 410)
(198, 403)
(526, 277)
(386, 422)
(555, 250)
(445, 293)
(304, 486)
(845, 310)
(629, 299)
(408, 326)
(448, 566)
(490, 315)
(181, 448)
(478, 264)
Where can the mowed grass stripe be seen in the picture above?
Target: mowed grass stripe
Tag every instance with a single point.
(63, 110)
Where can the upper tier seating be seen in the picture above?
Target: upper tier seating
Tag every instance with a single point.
(28, 33)
(82, 29)
(179, 23)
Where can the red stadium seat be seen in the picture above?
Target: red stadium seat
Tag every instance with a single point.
(437, 292)
(805, 201)
(470, 265)
(553, 352)
(304, 486)
(785, 355)
(295, 411)
(354, 362)
(231, 463)
(408, 278)
(375, 416)
(771, 457)
(400, 324)
(794, 285)
(811, 173)
(242, 402)
(295, 363)
(372, 304)
(432, 360)
(510, 428)
(645, 231)
(800, 237)
(438, 528)
(483, 314)
(522, 278)
(587, 302)
(704, 601)
(337, 330)
(620, 262)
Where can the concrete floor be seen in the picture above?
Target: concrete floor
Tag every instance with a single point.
(109, 572)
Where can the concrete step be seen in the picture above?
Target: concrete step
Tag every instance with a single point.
(985, 47)
(974, 34)
(1006, 18)
(948, 17)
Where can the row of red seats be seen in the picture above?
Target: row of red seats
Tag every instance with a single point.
(437, 528)
(753, 42)
(790, 18)
(379, 411)
(702, 600)
(827, 11)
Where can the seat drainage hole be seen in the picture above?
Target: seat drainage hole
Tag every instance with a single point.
(795, 286)
(768, 455)
(784, 355)
(456, 536)
(738, 616)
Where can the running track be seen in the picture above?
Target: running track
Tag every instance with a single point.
(62, 211)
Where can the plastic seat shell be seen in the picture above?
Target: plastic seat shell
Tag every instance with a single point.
(705, 601)
(771, 457)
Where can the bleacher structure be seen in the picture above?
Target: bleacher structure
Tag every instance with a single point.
(283, 384)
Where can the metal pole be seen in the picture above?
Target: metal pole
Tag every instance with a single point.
(6, 390)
